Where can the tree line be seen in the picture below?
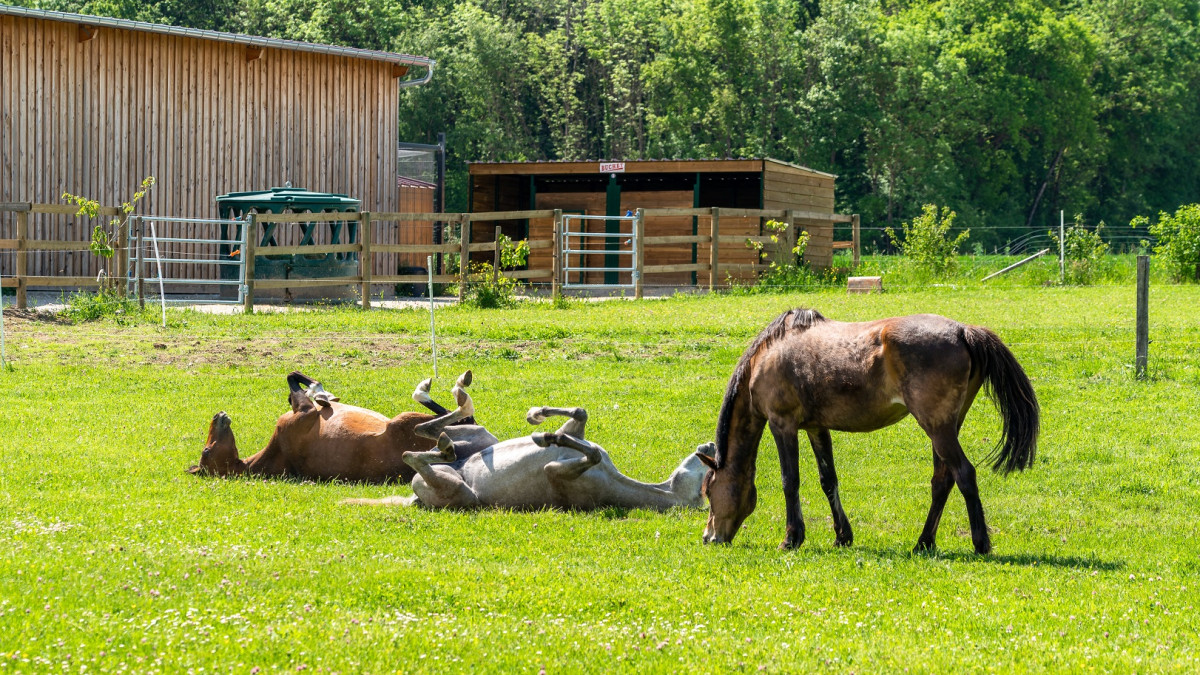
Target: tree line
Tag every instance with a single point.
(1004, 110)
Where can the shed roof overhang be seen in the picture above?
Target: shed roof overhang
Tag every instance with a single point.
(404, 62)
(634, 166)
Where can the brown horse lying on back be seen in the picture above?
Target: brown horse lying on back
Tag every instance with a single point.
(806, 373)
(323, 439)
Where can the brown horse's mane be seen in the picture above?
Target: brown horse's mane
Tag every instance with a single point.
(794, 319)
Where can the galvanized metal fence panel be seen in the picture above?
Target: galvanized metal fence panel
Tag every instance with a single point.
(184, 254)
(575, 238)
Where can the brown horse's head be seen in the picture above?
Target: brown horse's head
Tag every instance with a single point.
(220, 454)
(731, 499)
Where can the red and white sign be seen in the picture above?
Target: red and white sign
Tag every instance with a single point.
(612, 167)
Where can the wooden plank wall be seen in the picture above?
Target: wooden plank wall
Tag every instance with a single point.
(484, 198)
(662, 226)
(411, 200)
(93, 118)
(788, 187)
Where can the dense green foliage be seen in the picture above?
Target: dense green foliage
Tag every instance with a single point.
(113, 559)
(1006, 111)
(1178, 238)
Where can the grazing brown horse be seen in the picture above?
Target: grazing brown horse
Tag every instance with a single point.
(806, 373)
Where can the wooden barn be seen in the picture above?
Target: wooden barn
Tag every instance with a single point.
(616, 188)
(92, 105)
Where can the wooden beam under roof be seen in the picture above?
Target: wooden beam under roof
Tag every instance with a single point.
(639, 166)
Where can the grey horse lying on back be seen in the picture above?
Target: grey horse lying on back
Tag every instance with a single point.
(543, 470)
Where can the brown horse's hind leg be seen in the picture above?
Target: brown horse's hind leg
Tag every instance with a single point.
(788, 443)
(942, 484)
(947, 448)
(822, 445)
(465, 410)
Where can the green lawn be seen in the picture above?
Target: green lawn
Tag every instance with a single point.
(113, 559)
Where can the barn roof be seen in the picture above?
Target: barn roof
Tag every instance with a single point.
(403, 60)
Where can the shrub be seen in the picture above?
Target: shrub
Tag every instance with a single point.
(488, 290)
(792, 274)
(1083, 251)
(103, 240)
(1178, 238)
(104, 303)
(926, 244)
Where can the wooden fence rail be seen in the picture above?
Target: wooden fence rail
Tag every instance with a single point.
(23, 243)
(775, 248)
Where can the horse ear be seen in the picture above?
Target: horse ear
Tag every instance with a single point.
(708, 461)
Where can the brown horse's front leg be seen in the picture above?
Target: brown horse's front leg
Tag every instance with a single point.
(788, 444)
(822, 445)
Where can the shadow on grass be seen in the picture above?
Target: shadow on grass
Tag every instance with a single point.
(613, 513)
(1017, 559)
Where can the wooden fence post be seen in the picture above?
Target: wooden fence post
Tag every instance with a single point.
(248, 256)
(22, 257)
(714, 249)
(790, 238)
(856, 239)
(1143, 316)
(496, 262)
(141, 266)
(464, 259)
(639, 255)
(556, 257)
(122, 257)
(365, 234)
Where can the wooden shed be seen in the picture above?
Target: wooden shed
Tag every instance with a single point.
(616, 188)
(91, 105)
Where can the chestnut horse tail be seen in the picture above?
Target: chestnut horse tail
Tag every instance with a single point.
(1013, 395)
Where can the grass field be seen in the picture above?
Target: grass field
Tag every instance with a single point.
(113, 559)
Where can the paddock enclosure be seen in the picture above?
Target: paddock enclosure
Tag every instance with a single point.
(604, 188)
(92, 105)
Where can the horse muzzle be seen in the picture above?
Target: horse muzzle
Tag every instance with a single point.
(711, 537)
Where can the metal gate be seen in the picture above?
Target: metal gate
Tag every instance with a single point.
(161, 253)
(621, 246)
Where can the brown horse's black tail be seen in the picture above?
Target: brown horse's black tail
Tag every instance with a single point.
(1013, 395)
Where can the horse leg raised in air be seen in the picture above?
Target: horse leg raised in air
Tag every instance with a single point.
(543, 470)
(806, 373)
(323, 438)
(444, 487)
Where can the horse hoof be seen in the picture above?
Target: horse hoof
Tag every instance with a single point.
(535, 416)
(421, 393)
(924, 547)
(791, 543)
(543, 439)
(844, 543)
(464, 380)
(983, 549)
